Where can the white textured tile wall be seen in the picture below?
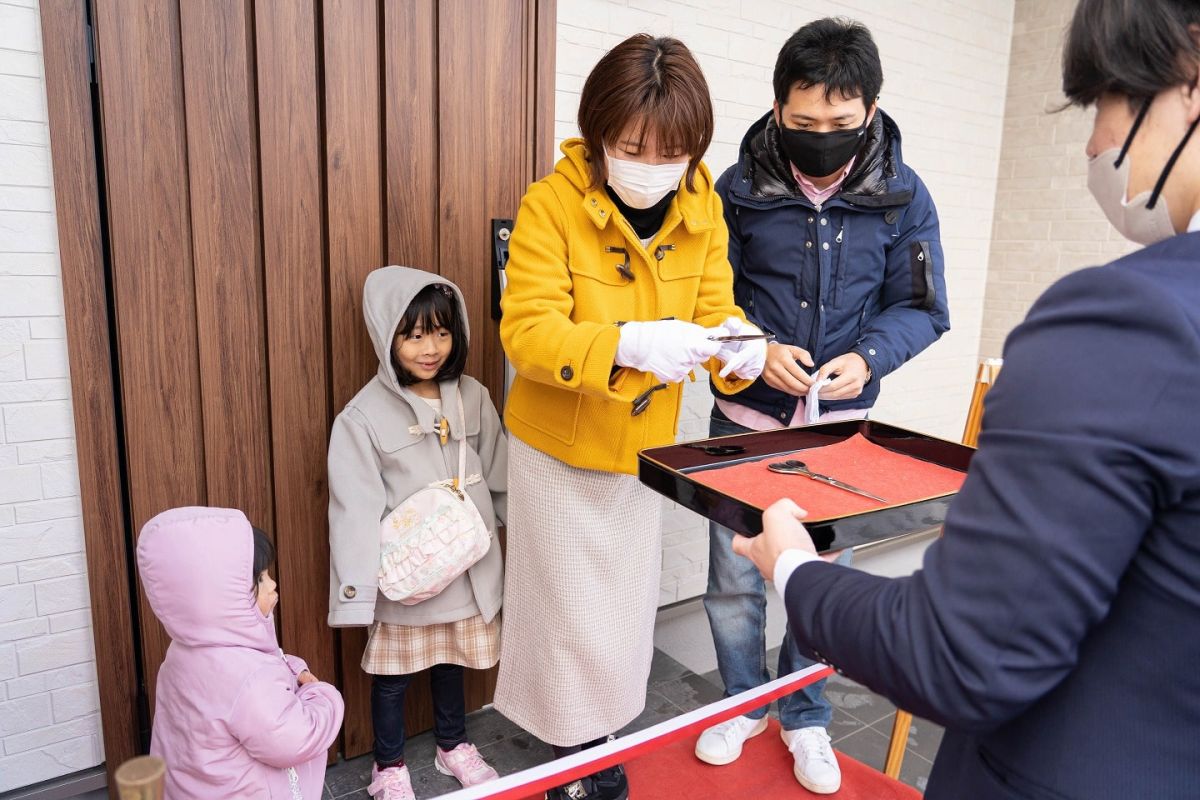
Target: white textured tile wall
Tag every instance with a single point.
(49, 713)
(945, 69)
(1047, 223)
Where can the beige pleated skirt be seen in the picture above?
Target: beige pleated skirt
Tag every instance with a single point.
(580, 595)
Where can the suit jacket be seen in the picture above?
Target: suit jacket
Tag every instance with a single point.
(1055, 628)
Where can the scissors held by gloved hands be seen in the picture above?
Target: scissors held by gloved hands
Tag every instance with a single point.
(745, 337)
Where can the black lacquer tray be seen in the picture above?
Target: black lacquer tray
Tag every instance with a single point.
(667, 470)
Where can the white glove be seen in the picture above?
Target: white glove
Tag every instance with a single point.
(668, 348)
(743, 359)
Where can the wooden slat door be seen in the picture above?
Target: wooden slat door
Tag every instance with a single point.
(223, 190)
(483, 125)
(81, 250)
(410, 69)
(355, 214)
(153, 282)
(257, 160)
(293, 233)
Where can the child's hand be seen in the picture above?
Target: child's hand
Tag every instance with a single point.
(306, 677)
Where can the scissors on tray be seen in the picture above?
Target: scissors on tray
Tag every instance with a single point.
(794, 467)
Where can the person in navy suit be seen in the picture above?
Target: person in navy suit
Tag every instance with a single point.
(1054, 629)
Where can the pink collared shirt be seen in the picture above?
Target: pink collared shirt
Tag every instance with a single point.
(818, 196)
(758, 421)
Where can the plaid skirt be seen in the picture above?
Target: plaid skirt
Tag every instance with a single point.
(403, 650)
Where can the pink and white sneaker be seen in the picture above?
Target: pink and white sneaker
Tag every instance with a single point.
(464, 764)
(392, 783)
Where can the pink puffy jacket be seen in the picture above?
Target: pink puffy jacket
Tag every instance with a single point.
(230, 720)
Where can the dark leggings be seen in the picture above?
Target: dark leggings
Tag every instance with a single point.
(387, 711)
(561, 752)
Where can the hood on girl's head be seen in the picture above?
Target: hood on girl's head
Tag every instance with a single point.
(196, 565)
(387, 294)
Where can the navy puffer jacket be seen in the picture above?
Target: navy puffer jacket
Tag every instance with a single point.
(862, 273)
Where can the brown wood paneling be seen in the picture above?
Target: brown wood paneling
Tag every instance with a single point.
(294, 262)
(222, 161)
(354, 177)
(483, 123)
(391, 131)
(93, 397)
(355, 198)
(542, 92)
(410, 132)
(141, 95)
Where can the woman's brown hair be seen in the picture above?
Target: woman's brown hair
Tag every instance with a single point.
(652, 80)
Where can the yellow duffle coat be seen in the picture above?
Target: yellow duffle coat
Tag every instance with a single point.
(565, 295)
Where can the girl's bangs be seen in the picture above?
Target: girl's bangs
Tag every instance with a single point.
(431, 308)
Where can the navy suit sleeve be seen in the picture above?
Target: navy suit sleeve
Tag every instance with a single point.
(913, 309)
(1083, 440)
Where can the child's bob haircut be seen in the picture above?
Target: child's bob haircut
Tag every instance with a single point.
(434, 305)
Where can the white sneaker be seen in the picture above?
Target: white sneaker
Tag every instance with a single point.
(722, 744)
(816, 766)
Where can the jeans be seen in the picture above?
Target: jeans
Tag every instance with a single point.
(737, 613)
(387, 711)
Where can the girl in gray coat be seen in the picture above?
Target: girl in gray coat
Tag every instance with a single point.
(398, 435)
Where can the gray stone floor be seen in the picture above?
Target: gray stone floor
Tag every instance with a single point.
(861, 728)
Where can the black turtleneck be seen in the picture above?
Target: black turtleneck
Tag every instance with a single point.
(645, 221)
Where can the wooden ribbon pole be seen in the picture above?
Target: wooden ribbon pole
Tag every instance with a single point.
(141, 778)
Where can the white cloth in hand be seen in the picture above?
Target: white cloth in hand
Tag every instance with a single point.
(668, 348)
(743, 359)
(812, 408)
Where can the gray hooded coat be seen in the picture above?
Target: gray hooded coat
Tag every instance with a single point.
(384, 448)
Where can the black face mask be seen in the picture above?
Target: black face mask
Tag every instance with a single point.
(819, 154)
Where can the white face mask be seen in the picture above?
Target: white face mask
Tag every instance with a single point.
(642, 185)
(1144, 219)
(1135, 219)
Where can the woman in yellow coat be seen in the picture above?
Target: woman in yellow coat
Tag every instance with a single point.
(618, 285)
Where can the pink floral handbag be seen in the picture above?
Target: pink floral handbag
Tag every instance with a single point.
(432, 537)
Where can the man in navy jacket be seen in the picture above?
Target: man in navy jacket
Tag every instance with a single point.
(1055, 628)
(835, 249)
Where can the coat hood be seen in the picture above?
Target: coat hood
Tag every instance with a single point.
(196, 565)
(574, 164)
(876, 180)
(387, 294)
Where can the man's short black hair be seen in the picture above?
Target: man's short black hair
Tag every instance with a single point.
(835, 52)
(264, 554)
(1134, 48)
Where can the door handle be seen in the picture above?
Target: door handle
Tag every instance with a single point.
(501, 233)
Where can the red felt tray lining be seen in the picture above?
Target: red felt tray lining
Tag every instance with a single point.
(897, 478)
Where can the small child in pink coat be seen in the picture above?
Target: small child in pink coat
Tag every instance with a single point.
(234, 716)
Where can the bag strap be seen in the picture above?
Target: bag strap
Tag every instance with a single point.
(460, 481)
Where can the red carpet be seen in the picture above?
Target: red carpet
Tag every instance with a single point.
(896, 477)
(763, 771)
